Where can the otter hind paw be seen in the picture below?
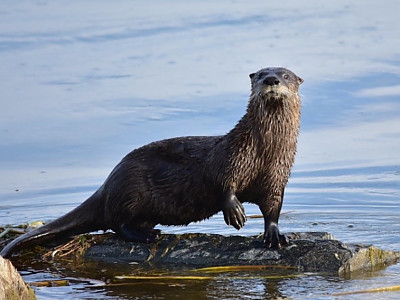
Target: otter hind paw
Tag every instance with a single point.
(138, 235)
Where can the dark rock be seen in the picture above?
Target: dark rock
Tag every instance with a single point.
(317, 252)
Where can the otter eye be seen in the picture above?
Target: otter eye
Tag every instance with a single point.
(285, 76)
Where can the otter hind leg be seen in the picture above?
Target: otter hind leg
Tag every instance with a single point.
(137, 234)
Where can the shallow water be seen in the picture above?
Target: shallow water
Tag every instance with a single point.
(84, 83)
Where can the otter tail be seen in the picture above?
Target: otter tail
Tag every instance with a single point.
(86, 217)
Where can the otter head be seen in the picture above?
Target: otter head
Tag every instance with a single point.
(274, 83)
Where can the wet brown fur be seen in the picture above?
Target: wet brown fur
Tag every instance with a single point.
(187, 179)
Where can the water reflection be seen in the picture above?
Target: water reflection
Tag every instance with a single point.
(103, 282)
(238, 285)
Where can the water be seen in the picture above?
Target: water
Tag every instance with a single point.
(83, 83)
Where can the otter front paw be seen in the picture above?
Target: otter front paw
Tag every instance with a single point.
(272, 238)
(234, 212)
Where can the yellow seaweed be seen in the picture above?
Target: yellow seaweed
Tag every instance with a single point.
(220, 269)
(393, 288)
(49, 283)
(183, 277)
(165, 277)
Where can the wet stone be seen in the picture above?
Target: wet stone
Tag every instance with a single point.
(12, 285)
(313, 251)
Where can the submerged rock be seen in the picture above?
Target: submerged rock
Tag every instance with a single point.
(317, 252)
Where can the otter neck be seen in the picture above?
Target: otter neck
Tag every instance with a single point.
(264, 139)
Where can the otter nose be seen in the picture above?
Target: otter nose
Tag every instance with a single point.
(271, 80)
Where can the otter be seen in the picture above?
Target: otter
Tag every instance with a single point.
(187, 179)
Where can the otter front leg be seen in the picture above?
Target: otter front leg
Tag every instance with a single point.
(272, 238)
(233, 210)
(271, 210)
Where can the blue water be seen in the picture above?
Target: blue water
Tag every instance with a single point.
(84, 83)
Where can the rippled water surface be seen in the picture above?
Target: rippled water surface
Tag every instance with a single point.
(83, 83)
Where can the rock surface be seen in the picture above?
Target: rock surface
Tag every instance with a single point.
(12, 286)
(317, 252)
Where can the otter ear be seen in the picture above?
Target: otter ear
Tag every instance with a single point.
(251, 75)
(300, 80)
